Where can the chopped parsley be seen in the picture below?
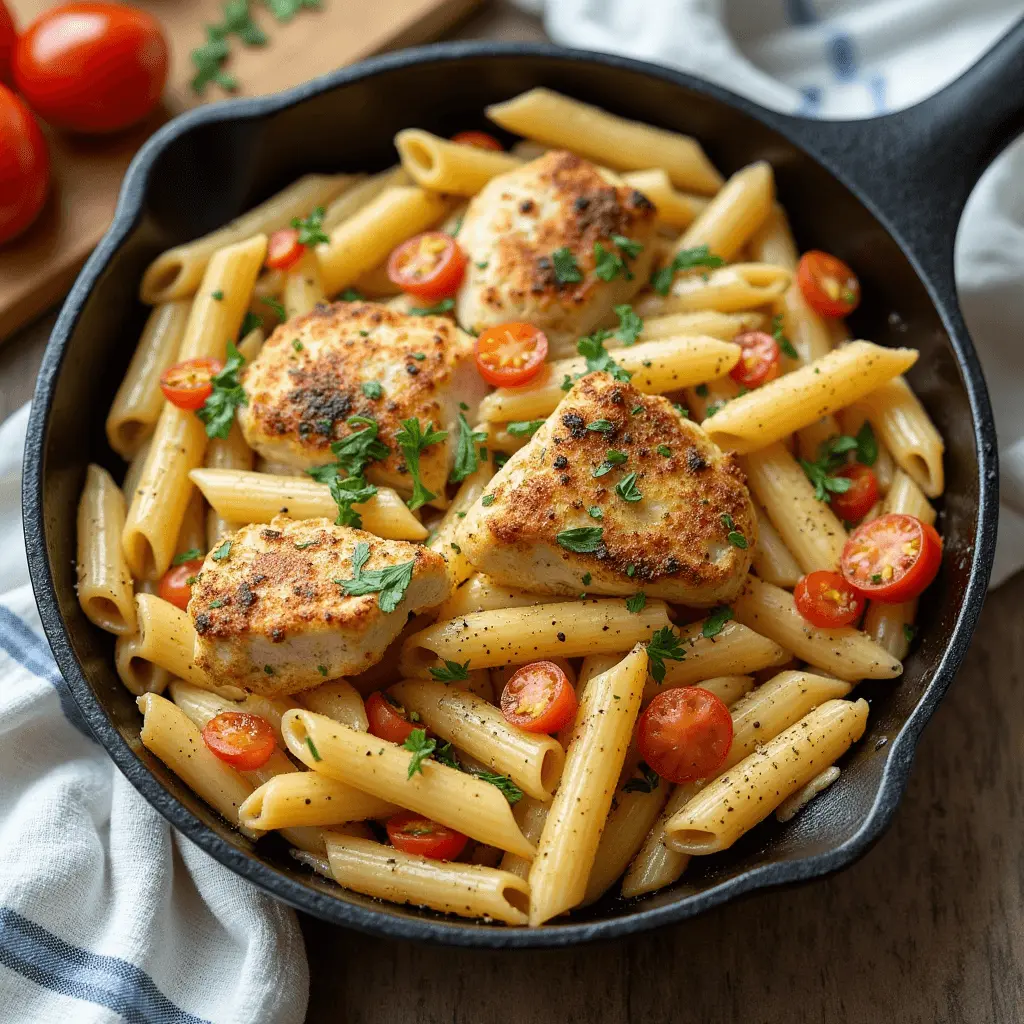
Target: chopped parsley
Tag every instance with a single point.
(524, 428)
(602, 427)
(209, 62)
(636, 603)
(269, 670)
(322, 669)
(451, 672)
(413, 439)
(566, 269)
(595, 513)
(373, 389)
(647, 782)
(389, 584)
(582, 539)
(832, 457)
(250, 322)
(626, 488)
(297, 345)
(487, 500)
(277, 308)
(352, 453)
(784, 343)
(217, 602)
(312, 749)
(351, 295)
(612, 458)
(608, 264)
(663, 449)
(735, 537)
(701, 390)
(222, 552)
(587, 578)
(418, 356)
(513, 794)
(630, 324)
(187, 556)
(218, 295)
(566, 384)
(686, 259)
(311, 228)
(908, 632)
(218, 411)
(867, 445)
(664, 644)
(421, 749)
(444, 306)
(349, 491)
(716, 620)
(285, 10)
(467, 459)
(593, 351)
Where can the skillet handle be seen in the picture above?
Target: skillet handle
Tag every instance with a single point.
(918, 166)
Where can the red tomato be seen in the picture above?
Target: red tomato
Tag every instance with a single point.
(830, 287)
(479, 139)
(893, 558)
(174, 585)
(388, 719)
(8, 40)
(430, 266)
(685, 734)
(826, 600)
(759, 359)
(854, 504)
(189, 384)
(244, 740)
(92, 67)
(284, 249)
(412, 833)
(511, 354)
(539, 698)
(24, 166)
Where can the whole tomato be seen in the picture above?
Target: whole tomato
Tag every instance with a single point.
(8, 37)
(91, 67)
(24, 166)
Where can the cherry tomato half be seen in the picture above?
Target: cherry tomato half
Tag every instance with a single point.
(830, 287)
(893, 558)
(8, 39)
(685, 734)
(92, 67)
(479, 139)
(430, 266)
(241, 738)
(388, 719)
(24, 166)
(284, 249)
(826, 600)
(189, 384)
(174, 585)
(854, 504)
(510, 354)
(412, 833)
(759, 359)
(539, 698)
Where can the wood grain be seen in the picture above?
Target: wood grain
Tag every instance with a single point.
(40, 267)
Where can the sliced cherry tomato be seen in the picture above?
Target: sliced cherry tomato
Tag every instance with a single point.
(479, 139)
(511, 354)
(854, 504)
(759, 359)
(284, 249)
(685, 734)
(189, 384)
(244, 740)
(893, 558)
(8, 40)
(830, 287)
(174, 584)
(412, 833)
(92, 67)
(24, 166)
(388, 719)
(826, 600)
(539, 698)
(430, 266)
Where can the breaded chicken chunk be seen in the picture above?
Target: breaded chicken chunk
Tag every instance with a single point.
(616, 493)
(360, 359)
(273, 614)
(529, 231)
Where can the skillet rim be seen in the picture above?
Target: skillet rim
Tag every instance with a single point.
(384, 922)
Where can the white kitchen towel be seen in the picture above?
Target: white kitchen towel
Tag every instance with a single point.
(106, 913)
(858, 58)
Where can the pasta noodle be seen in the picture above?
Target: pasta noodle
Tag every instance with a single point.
(732, 289)
(676, 209)
(339, 700)
(299, 799)
(443, 166)
(773, 561)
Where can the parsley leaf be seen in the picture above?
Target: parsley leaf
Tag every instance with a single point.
(249, 323)
(421, 749)
(513, 794)
(628, 246)
(663, 449)
(354, 452)
(867, 445)
(524, 428)
(612, 459)
(908, 632)
(593, 351)
(716, 620)
(277, 308)
(583, 539)
(451, 672)
(821, 472)
(566, 269)
(187, 556)
(285, 10)
(626, 488)
(487, 500)
(351, 295)
(312, 749)
(218, 411)
(686, 259)
(389, 584)
(209, 62)
(636, 603)
(444, 306)
(602, 426)
(466, 458)
(595, 513)
(587, 579)
(311, 228)
(630, 324)
(353, 490)
(373, 389)
(443, 755)
(608, 264)
(412, 439)
(664, 644)
(646, 783)
(222, 552)
(784, 343)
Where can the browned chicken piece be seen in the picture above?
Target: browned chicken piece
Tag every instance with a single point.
(273, 614)
(361, 359)
(615, 494)
(529, 231)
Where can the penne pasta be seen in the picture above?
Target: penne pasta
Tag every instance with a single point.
(303, 286)
(364, 191)
(298, 799)
(137, 672)
(201, 705)
(793, 805)
(706, 321)
(443, 166)
(677, 209)
(481, 594)
(225, 453)
(733, 289)
(446, 534)
(773, 561)
(339, 700)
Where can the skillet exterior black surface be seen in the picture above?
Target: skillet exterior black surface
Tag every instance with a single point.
(884, 195)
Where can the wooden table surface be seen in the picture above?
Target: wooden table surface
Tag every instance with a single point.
(928, 927)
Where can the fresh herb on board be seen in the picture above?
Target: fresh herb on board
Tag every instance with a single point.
(218, 412)
(389, 584)
(413, 439)
(687, 259)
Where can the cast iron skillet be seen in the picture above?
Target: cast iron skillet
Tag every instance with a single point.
(885, 195)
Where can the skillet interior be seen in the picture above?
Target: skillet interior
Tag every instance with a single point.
(204, 169)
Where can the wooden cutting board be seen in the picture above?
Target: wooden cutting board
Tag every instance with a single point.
(38, 268)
